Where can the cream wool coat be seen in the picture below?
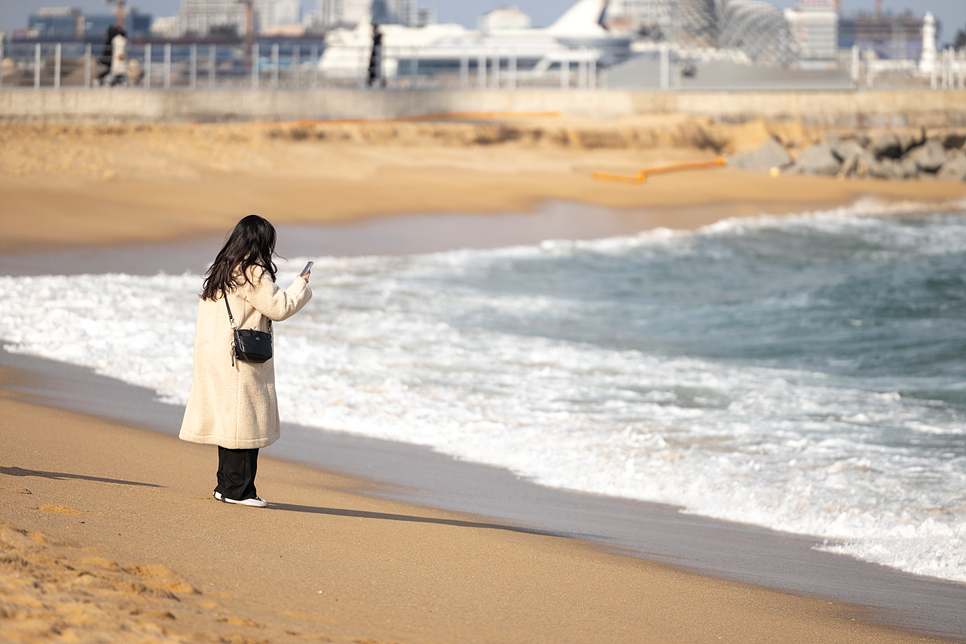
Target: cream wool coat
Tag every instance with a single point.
(234, 406)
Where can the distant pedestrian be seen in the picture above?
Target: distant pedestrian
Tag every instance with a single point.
(106, 57)
(375, 59)
(118, 59)
(232, 403)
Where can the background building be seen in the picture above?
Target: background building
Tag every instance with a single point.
(892, 37)
(201, 17)
(503, 18)
(814, 28)
(65, 23)
(275, 13)
(57, 22)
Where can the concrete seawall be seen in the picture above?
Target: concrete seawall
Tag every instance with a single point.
(824, 108)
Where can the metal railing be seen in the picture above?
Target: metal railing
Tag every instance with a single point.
(291, 67)
(296, 66)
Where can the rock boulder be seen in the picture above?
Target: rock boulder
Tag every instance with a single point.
(818, 160)
(929, 157)
(954, 169)
(886, 144)
(768, 155)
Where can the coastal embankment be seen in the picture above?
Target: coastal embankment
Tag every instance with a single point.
(844, 108)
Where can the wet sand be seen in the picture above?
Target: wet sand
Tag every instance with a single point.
(109, 532)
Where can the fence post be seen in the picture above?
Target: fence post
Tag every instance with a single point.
(297, 63)
(275, 66)
(57, 66)
(212, 64)
(147, 66)
(962, 68)
(593, 72)
(854, 72)
(933, 82)
(37, 66)
(193, 66)
(565, 70)
(481, 71)
(870, 68)
(665, 67)
(513, 69)
(948, 67)
(255, 66)
(167, 66)
(413, 69)
(315, 66)
(87, 66)
(464, 71)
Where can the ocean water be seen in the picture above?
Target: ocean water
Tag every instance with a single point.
(805, 373)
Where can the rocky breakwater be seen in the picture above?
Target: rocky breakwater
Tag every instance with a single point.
(893, 155)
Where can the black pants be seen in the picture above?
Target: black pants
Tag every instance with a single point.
(236, 473)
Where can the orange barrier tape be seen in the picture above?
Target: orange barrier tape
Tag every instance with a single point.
(642, 176)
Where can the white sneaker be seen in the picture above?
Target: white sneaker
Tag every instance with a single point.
(217, 495)
(253, 502)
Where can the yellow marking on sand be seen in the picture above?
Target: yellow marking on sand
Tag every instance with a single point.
(642, 176)
(59, 509)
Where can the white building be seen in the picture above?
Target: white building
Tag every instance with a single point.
(928, 61)
(502, 19)
(814, 25)
(165, 27)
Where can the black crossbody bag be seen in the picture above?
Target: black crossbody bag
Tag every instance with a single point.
(250, 345)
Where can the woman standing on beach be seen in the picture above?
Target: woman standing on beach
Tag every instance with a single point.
(232, 403)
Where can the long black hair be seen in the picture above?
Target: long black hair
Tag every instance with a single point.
(251, 243)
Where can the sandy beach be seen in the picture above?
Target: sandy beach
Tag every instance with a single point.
(64, 185)
(107, 529)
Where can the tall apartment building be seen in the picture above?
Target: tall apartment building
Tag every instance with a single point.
(814, 25)
(395, 12)
(892, 36)
(336, 13)
(201, 16)
(348, 13)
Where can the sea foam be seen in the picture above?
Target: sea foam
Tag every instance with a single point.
(742, 371)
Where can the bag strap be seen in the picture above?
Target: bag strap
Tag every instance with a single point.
(231, 320)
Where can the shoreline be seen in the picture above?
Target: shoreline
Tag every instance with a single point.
(895, 606)
(415, 475)
(123, 546)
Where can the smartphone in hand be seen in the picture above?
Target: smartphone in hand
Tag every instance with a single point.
(307, 269)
